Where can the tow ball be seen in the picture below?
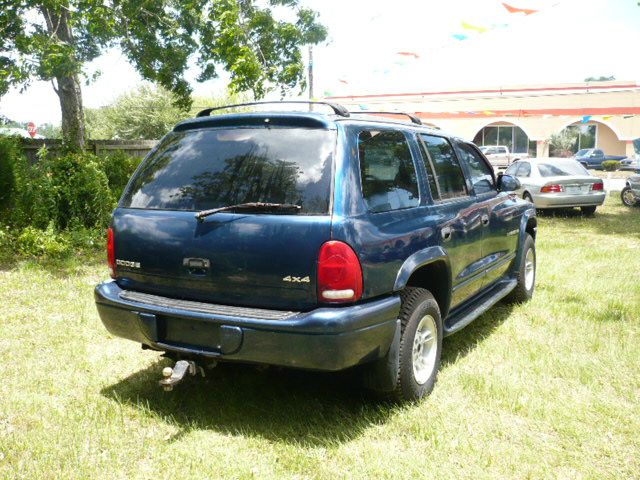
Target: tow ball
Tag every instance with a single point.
(175, 375)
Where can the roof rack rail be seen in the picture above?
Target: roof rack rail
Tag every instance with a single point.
(337, 108)
(413, 118)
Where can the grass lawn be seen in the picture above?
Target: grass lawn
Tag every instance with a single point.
(549, 389)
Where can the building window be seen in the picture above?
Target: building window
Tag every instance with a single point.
(510, 136)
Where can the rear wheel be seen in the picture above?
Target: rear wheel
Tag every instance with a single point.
(526, 274)
(408, 371)
(628, 198)
(588, 210)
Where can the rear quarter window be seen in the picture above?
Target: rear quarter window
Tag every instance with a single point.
(388, 173)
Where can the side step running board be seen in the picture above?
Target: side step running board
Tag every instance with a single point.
(463, 318)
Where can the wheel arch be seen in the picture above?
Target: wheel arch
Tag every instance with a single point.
(428, 269)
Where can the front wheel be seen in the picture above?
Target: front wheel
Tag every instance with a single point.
(628, 197)
(526, 273)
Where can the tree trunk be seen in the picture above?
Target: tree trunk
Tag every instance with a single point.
(70, 97)
(68, 89)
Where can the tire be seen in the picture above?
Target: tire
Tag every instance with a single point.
(526, 273)
(628, 198)
(588, 210)
(419, 313)
(527, 197)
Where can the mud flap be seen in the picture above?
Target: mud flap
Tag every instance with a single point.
(382, 374)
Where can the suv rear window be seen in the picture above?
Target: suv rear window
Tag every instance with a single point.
(203, 169)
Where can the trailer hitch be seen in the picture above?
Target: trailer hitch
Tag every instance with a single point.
(175, 375)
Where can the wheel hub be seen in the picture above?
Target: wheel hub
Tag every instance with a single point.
(425, 346)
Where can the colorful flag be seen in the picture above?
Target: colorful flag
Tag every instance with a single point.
(343, 81)
(409, 54)
(489, 112)
(468, 26)
(459, 36)
(607, 117)
(586, 118)
(511, 9)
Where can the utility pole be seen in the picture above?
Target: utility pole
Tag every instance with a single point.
(310, 78)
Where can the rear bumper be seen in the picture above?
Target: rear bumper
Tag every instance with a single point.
(560, 200)
(322, 339)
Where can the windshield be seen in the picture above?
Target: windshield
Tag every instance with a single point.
(561, 168)
(205, 169)
(582, 152)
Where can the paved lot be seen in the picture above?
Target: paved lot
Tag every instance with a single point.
(613, 184)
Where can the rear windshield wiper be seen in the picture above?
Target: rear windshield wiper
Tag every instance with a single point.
(200, 216)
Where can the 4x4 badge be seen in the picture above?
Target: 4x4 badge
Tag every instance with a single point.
(291, 279)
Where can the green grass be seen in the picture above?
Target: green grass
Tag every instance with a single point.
(549, 389)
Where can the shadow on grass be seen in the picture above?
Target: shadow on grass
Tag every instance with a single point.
(462, 343)
(278, 404)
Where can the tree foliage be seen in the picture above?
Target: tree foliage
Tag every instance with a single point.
(54, 39)
(147, 113)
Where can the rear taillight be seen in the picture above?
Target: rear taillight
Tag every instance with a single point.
(554, 188)
(598, 187)
(111, 253)
(339, 273)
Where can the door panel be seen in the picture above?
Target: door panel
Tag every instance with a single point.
(500, 218)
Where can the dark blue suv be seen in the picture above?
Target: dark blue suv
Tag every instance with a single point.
(316, 241)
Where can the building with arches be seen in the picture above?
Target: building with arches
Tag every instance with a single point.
(526, 118)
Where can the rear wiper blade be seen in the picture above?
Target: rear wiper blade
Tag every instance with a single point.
(200, 216)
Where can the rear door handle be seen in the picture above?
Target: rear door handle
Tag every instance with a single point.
(446, 233)
(485, 220)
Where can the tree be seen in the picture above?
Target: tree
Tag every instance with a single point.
(600, 79)
(146, 113)
(54, 39)
(562, 144)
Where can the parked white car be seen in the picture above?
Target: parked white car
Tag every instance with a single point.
(558, 183)
(500, 157)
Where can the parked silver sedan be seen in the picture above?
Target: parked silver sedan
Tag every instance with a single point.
(558, 183)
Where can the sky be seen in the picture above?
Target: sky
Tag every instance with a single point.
(565, 41)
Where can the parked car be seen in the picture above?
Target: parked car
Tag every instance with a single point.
(558, 183)
(500, 157)
(631, 192)
(315, 241)
(593, 157)
(632, 164)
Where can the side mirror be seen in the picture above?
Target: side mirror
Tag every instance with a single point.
(507, 183)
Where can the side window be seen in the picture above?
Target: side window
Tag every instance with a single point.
(502, 150)
(481, 174)
(524, 169)
(512, 170)
(448, 174)
(388, 173)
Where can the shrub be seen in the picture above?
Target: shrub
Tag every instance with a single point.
(68, 190)
(33, 242)
(610, 165)
(10, 153)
